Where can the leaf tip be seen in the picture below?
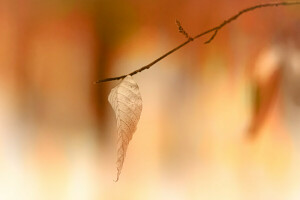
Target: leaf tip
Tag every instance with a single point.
(118, 175)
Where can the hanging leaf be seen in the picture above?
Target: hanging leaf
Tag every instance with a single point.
(126, 101)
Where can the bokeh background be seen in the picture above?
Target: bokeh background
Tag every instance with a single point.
(219, 121)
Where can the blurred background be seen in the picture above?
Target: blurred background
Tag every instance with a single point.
(219, 121)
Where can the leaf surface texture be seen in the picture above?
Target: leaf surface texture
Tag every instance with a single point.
(126, 101)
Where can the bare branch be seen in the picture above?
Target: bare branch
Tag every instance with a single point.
(190, 39)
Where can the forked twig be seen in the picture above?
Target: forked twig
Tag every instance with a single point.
(190, 39)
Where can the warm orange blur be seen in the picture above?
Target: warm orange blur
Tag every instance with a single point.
(219, 121)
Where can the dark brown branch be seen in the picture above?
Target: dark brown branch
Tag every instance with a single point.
(190, 39)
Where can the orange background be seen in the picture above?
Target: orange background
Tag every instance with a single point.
(58, 132)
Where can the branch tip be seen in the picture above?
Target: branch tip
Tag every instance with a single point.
(181, 30)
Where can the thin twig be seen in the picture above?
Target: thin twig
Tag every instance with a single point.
(182, 31)
(212, 37)
(190, 39)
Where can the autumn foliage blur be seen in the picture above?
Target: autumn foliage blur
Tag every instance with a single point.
(220, 121)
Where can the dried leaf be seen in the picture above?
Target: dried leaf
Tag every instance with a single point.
(126, 101)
